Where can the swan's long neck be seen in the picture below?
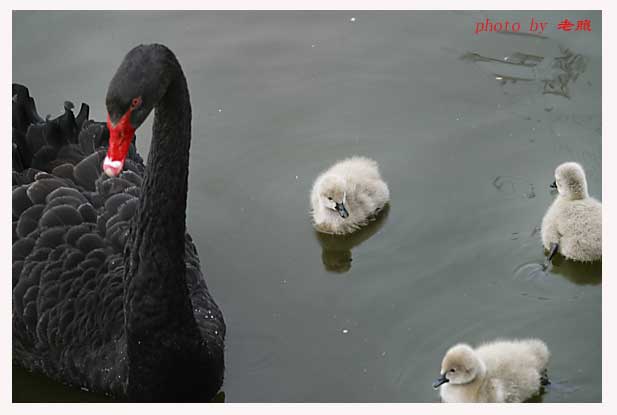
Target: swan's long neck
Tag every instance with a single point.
(158, 310)
(162, 210)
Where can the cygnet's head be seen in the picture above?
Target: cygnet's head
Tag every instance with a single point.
(570, 181)
(460, 365)
(333, 195)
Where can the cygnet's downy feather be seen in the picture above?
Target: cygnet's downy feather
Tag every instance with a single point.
(499, 371)
(572, 225)
(348, 195)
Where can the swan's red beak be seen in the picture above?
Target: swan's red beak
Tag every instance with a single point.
(120, 136)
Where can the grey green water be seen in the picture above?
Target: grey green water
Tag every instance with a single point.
(279, 96)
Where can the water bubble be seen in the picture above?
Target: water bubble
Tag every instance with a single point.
(383, 354)
(353, 19)
(345, 331)
(220, 109)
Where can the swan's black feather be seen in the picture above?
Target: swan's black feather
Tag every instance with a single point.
(62, 215)
(113, 185)
(89, 241)
(87, 212)
(43, 175)
(21, 201)
(75, 232)
(63, 200)
(88, 170)
(64, 170)
(51, 237)
(64, 192)
(71, 251)
(128, 209)
(114, 202)
(18, 264)
(24, 177)
(21, 153)
(24, 109)
(92, 136)
(14, 228)
(29, 220)
(38, 191)
(22, 248)
(131, 177)
(133, 191)
(82, 116)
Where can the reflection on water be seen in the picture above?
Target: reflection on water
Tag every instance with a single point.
(25, 383)
(336, 249)
(579, 273)
(219, 397)
(538, 397)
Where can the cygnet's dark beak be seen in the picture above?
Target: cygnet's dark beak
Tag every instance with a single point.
(553, 185)
(440, 381)
(342, 210)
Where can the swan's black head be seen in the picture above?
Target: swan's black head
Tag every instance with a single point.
(138, 85)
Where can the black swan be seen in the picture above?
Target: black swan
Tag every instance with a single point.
(107, 289)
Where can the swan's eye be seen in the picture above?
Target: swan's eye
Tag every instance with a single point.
(329, 198)
(135, 102)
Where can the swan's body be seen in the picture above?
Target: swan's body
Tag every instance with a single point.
(499, 371)
(107, 289)
(348, 195)
(573, 223)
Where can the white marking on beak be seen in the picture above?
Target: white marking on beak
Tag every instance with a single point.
(112, 168)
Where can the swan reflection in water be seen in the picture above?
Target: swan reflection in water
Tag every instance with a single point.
(579, 273)
(336, 249)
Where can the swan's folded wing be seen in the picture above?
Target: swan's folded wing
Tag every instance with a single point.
(208, 315)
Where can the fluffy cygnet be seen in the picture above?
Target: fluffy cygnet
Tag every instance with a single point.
(573, 223)
(348, 195)
(499, 371)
